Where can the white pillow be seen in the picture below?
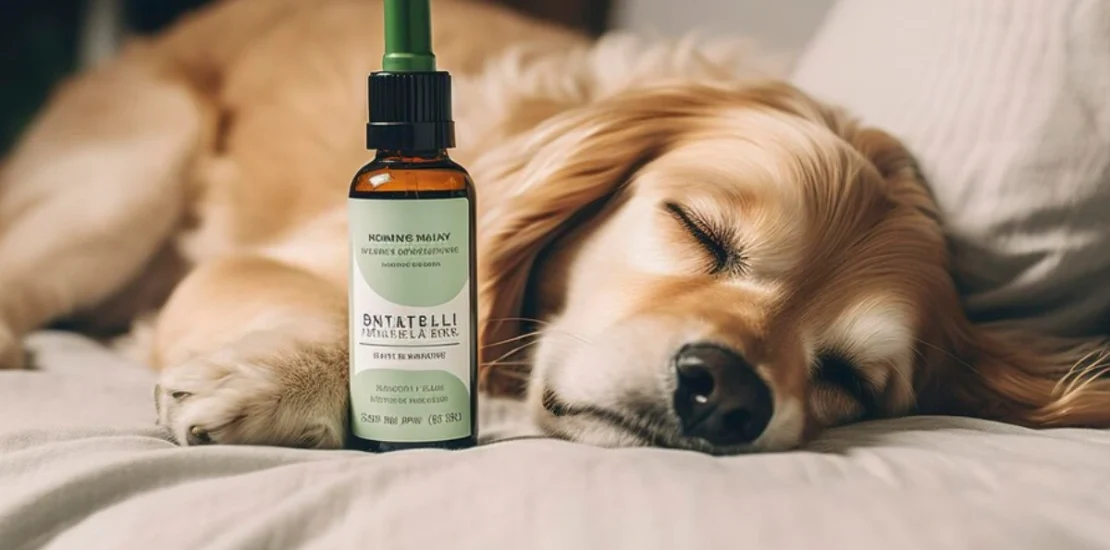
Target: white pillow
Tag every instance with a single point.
(1006, 104)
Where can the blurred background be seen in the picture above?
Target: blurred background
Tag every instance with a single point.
(41, 41)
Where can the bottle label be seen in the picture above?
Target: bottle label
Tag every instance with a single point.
(411, 334)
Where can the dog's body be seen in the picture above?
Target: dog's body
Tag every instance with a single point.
(703, 264)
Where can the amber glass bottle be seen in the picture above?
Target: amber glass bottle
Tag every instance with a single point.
(413, 297)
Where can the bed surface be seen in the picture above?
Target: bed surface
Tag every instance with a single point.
(82, 467)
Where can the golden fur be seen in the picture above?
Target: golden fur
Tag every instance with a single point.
(209, 166)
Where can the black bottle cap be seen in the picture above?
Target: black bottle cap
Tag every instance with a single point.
(410, 111)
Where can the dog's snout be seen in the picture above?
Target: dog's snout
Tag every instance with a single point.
(719, 396)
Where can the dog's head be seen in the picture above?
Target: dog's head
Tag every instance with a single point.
(712, 268)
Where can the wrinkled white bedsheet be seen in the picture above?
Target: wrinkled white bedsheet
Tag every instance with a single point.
(82, 467)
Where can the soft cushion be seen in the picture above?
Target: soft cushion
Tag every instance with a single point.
(1006, 104)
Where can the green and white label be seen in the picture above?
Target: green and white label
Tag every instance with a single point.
(411, 333)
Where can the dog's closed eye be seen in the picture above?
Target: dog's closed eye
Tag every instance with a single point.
(727, 259)
(835, 370)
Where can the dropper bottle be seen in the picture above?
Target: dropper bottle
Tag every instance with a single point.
(413, 299)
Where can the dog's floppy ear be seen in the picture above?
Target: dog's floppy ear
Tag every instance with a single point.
(1003, 372)
(548, 177)
(1000, 371)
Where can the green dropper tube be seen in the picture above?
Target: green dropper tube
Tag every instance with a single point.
(410, 100)
(408, 37)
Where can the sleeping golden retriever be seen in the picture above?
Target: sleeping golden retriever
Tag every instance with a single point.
(672, 253)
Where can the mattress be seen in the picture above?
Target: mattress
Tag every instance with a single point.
(83, 467)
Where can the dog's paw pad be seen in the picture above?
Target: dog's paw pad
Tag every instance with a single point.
(283, 399)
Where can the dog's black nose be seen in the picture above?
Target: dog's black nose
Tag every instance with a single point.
(719, 397)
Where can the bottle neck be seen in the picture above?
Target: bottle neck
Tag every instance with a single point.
(394, 155)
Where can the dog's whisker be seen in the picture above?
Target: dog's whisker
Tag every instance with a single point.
(548, 327)
(511, 352)
(513, 339)
(1077, 366)
(1081, 369)
(525, 319)
(551, 331)
(514, 374)
(1086, 376)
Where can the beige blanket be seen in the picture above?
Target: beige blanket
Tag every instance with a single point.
(83, 468)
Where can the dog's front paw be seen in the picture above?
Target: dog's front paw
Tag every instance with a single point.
(266, 391)
(12, 355)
